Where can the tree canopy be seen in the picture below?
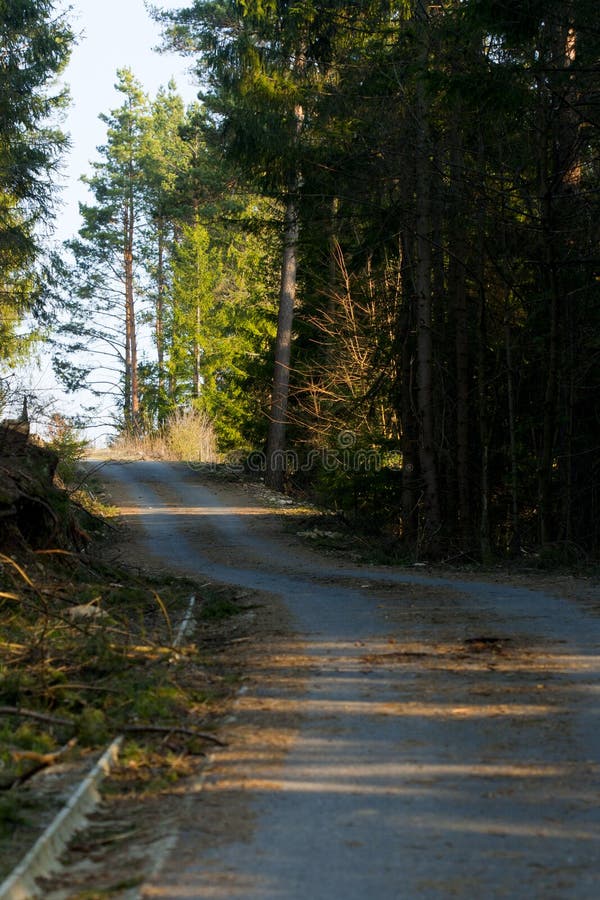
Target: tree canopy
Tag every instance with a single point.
(447, 159)
(35, 43)
(370, 251)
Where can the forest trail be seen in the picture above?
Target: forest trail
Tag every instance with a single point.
(398, 736)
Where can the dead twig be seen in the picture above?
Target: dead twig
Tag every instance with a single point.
(176, 729)
(88, 474)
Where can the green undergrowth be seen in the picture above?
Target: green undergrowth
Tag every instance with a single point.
(89, 651)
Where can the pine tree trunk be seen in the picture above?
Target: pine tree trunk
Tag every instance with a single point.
(197, 356)
(132, 400)
(160, 316)
(545, 461)
(276, 441)
(458, 293)
(275, 462)
(196, 348)
(406, 411)
(569, 419)
(514, 542)
(485, 542)
(423, 292)
(560, 173)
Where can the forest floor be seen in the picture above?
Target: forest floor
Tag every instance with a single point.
(393, 732)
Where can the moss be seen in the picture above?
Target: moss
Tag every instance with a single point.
(217, 608)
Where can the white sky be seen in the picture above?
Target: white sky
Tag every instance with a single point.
(113, 34)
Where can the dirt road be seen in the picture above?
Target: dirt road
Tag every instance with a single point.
(398, 737)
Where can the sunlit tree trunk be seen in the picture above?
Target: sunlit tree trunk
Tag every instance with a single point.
(197, 350)
(160, 311)
(276, 441)
(275, 469)
(132, 399)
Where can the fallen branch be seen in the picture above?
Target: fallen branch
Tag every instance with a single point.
(7, 560)
(41, 760)
(176, 729)
(79, 686)
(31, 714)
(55, 552)
(88, 474)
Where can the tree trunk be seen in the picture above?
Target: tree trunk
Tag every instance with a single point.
(132, 398)
(197, 355)
(514, 541)
(483, 416)
(275, 463)
(458, 293)
(560, 174)
(406, 410)
(276, 443)
(485, 543)
(160, 319)
(423, 292)
(569, 418)
(549, 408)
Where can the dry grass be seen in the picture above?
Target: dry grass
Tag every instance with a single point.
(88, 650)
(187, 436)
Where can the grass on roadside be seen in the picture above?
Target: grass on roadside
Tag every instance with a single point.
(87, 653)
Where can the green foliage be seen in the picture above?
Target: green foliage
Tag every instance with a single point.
(12, 813)
(108, 663)
(157, 702)
(100, 293)
(221, 321)
(447, 161)
(201, 276)
(66, 441)
(195, 276)
(35, 42)
(217, 608)
(93, 730)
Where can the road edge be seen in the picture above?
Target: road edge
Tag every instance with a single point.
(43, 857)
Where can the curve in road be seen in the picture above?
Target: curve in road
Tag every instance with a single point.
(412, 737)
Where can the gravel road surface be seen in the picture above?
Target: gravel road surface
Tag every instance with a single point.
(400, 736)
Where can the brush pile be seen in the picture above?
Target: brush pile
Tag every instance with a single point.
(36, 512)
